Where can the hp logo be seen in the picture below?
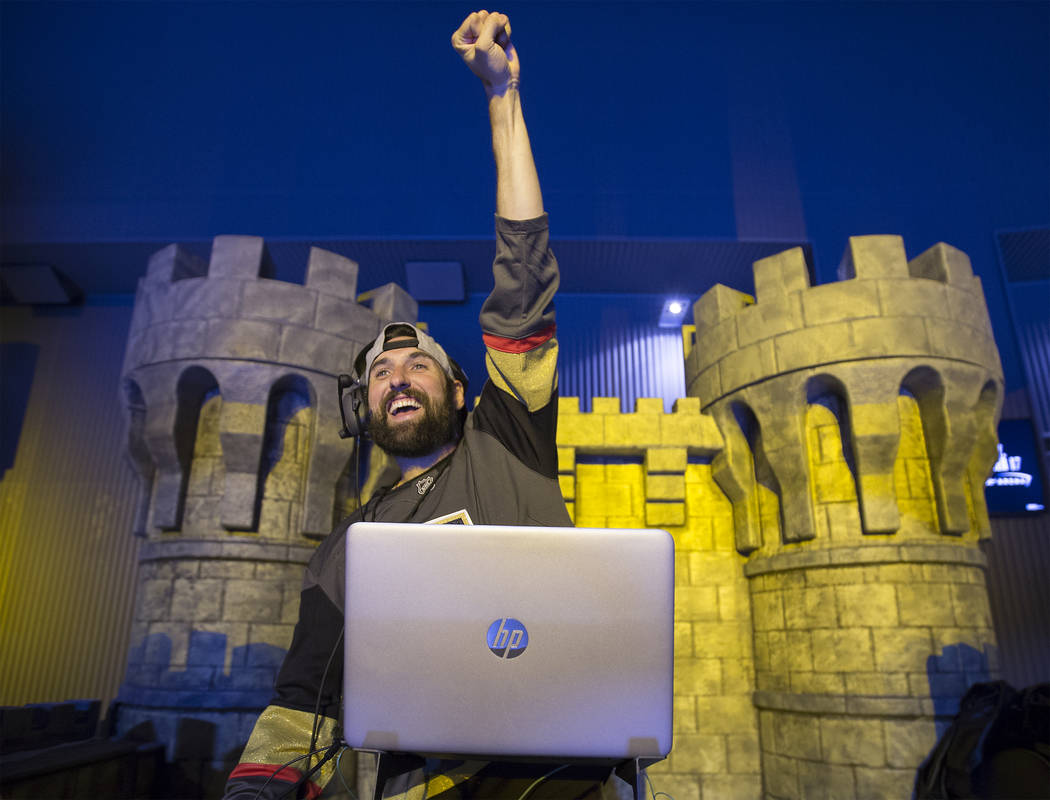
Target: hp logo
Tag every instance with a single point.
(507, 638)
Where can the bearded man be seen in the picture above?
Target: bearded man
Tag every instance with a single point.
(495, 465)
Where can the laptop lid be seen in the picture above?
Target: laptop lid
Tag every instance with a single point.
(509, 641)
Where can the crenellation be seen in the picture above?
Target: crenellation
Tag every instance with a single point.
(780, 275)
(717, 304)
(878, 256)
(174, 263)
(331, 274)
(391, 303)
(243, 257)
(942, 263)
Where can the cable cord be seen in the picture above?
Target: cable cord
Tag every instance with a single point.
(656, 794)
(339, 772)
(540, 780)
(286, 764)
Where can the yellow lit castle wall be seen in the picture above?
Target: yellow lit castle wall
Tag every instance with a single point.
(823, 484)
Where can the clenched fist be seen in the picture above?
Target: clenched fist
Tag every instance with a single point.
(483, 42)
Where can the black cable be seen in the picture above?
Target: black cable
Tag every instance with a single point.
(273, 774)
(329, 753)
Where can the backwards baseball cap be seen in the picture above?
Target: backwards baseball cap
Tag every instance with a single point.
(406, 335)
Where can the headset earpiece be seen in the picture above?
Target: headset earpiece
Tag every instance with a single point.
(353, 406)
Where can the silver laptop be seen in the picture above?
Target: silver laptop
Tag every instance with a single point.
(487, 640)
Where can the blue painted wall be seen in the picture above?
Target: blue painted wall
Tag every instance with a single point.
(182, 120)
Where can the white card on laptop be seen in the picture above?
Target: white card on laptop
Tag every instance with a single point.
(502, 641)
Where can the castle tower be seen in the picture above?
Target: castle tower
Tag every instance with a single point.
(229, 382)
(858, 420)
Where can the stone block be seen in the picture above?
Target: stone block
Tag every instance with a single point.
(780, 274)
(843, 650)
(631, 432)
(649, 405)
(908, 741)
(696, 603)
(769, 318)
(826, 344)
(713, 569)
(204, 298)
(767, 609)
(174, 263)
(877, 683)
(853, 741)
(194, 600)
(970, 603)
(721, 639)
(580, 430)
(715, 342)
(566, 460)
(817, 683)
(699, 753)
(797, 735)
(957, 340)
(247, 339)
(314, 349)
(278, 301)
(926, 604)
(278, 636)
(331, 274)
(725, 714)
(346, 319)
(808, 608)
(666, 460)
(665, 487)
(942, 263)
(664, 515)
(901, 649)
(820, 781)
(877, 256)
(244, 257)
(237, 508)
(717, 304)
(780, 776)
(684, 714)
(884, 784)
(890, 336)
(743, 755)
(790, 651)
(837, 302)
(186, 339)
(912, 298)
(867, 605)
(391, 303)
(698, 676)
(154, 599)
(252, 601)
(748, 365)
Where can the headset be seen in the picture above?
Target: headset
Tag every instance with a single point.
(353, 406)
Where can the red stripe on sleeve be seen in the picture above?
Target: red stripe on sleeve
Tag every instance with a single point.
(505, 345)
(285, 774)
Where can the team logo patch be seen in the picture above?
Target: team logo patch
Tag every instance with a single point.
(424, 484)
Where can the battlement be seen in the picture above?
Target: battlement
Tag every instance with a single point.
(888, 327)
(883, 306)
(227, 328)
(662, 442)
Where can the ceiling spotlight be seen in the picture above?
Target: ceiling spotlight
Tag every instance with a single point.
(673, 314)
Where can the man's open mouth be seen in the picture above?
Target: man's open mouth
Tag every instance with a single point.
(402, 405)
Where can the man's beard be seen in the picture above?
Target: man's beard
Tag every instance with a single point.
(438, 426)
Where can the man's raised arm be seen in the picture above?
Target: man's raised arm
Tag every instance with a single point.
(483, 42)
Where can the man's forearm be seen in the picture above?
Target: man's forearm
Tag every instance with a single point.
(517, 184)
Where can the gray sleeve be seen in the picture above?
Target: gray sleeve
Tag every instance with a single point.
(525, 275)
